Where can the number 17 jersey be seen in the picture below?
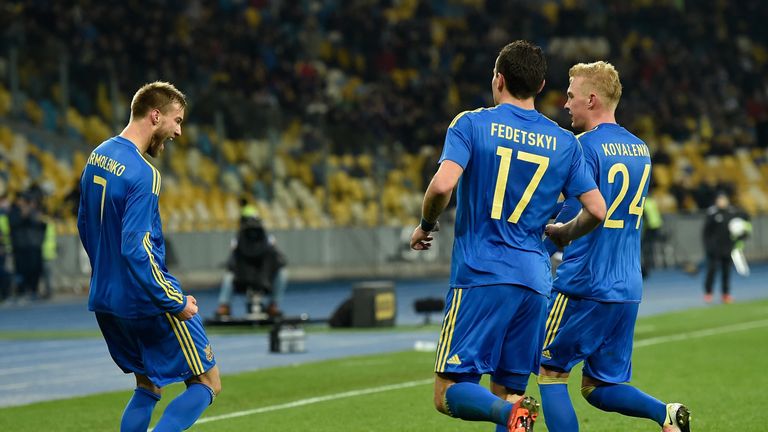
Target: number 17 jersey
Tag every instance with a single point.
(604, 265)
(516, 164)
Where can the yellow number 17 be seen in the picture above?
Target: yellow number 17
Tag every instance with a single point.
(501, 181)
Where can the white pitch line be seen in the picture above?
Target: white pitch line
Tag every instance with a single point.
(701, 333)
(309, 401)
(639, 344)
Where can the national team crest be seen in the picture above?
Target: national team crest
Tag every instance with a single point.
(208, 352)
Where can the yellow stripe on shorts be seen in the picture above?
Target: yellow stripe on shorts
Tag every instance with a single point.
(182, 343)
(557, 316)
(446, 336)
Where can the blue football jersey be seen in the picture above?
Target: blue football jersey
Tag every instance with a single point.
(120, 228)
(516, 163)
(604, 265)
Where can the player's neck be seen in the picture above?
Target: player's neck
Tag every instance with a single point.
(599, 119)
(137, 135)
(520, 103)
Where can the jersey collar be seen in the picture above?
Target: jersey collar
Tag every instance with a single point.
(529, 114)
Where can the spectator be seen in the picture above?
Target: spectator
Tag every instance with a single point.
(27, 234)
(5, 249)
(255, 266)
(652, 234)
(718, 244)
(50, 253)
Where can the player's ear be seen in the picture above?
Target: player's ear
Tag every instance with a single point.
(155, 116)
(543, 83)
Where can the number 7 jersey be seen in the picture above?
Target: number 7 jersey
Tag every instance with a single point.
(604, 265)
(516, 164)
(119, 225)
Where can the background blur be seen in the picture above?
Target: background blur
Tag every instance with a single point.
(330, 115)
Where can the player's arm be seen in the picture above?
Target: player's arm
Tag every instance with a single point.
(455, 157)
(143, 259)
(590, 217)
(436, 198)
(564, 212)
(580, 183)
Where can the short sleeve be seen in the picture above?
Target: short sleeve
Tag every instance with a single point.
(457, 147)
(571, 208)
(591, 161)
(579, 180)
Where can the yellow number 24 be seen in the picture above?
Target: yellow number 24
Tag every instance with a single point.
(638, 201)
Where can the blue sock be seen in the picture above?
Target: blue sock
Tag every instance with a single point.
(627, 400)
(138, 412)
(558, 408)
(470, 401)
(184, 411)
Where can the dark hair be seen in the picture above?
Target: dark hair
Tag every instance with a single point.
(156, 95)
(523, 66)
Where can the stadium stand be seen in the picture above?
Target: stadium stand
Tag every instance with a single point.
(332, 113)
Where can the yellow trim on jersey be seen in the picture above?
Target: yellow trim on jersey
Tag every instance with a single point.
(185, 345)
(155, 176)
(557, 316)
(460, 115)
(449, 326)
(170, 291)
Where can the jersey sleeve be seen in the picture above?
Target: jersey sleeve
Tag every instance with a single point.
(591, 161)
(457, 147)
(144, 261)
(579, 179)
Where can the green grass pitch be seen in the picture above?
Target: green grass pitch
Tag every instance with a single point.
(711, 359)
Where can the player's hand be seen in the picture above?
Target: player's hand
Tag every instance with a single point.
(557, 234)
(420, 239)
(190, 309)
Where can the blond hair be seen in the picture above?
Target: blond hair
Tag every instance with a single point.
(601, 77)
(155, 95)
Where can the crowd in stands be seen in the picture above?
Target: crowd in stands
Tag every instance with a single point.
(333, 113)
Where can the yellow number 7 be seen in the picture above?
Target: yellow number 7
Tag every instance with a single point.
(103, 182)
(503, 175)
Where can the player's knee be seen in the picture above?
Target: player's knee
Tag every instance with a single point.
(213, 383)
(441, 405)
(439, 401)
(216, 387)
(146, 384)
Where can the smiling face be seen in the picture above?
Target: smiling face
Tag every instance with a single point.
(168, 127)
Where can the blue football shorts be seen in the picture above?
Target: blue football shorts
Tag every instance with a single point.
(162, 348)
(600, 334)
(494, 330)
